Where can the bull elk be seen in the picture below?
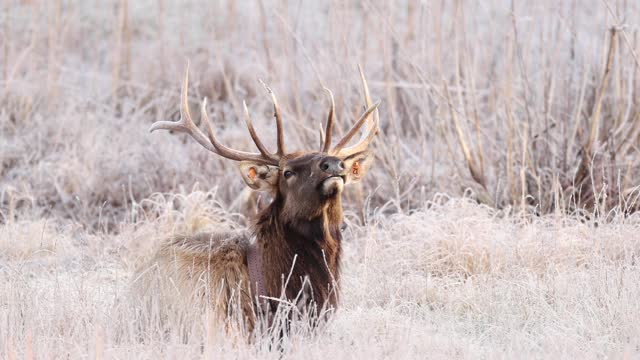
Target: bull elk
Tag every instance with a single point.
(297, 237)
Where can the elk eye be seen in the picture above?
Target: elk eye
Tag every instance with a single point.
(287, 174)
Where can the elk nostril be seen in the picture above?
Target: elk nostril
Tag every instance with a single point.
(341, 165)
(324, 166)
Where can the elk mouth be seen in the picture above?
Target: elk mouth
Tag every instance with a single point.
(332, 185)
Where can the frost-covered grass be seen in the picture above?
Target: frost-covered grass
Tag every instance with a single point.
(506, 106)
(454, 279)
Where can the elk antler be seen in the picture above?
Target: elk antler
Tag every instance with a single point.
(186, 125)
(332, 115)
(276, 114)
(209, 141)
(368, 134)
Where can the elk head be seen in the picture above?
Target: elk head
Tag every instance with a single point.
(303, 181)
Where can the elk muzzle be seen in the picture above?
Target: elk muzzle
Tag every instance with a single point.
(333, 184)
(332, 166)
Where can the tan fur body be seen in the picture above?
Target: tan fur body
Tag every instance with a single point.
(206, 271)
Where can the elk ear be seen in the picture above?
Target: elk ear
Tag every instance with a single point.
(259, 176)
(357, 166)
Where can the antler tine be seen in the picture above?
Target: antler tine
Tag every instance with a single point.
(370, 130)
(185, 124)
(276, 111)
(321, 133)
(228, 152)
(263, 150)
(367, 99)
(330, 120)
(365, 89)
(362, 144)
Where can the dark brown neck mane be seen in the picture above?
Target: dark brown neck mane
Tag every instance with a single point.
(314, 243)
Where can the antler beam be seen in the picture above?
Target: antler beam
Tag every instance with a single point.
(186, 125)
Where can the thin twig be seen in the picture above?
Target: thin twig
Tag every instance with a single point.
(620, 27)
(597, 108)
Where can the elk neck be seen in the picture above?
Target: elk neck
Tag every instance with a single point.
(314, 243)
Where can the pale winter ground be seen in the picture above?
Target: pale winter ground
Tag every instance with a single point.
(537, 260)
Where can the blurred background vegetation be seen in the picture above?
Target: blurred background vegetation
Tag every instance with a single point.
(520, 105)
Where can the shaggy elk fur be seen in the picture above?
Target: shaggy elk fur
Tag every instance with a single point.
(296, 239)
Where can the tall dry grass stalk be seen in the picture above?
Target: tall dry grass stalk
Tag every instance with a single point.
(122, 54)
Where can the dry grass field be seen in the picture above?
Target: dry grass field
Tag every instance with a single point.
(499, 220)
